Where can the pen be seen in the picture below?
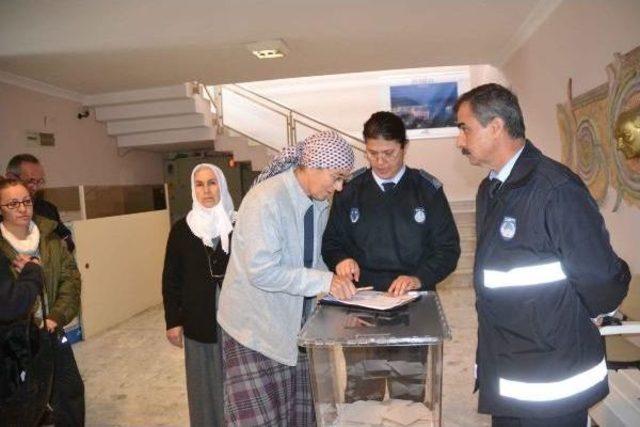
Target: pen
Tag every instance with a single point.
(366, 288)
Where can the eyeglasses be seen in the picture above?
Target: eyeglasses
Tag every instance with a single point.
(383, 155)
(36, 182)
(14, 204)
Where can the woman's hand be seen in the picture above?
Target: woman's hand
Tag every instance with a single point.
(341, 287)
(51, 325)
(21, 260)
(348, 268)
(174, 335)
(404, 284)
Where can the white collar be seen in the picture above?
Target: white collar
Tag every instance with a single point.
(507, 168)
(27, 246)
(395, 179)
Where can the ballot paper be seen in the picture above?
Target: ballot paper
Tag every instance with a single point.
(375, 300)
(393, 413)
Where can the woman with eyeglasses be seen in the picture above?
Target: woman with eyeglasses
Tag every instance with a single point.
(195, 262)
(390, 228)
(25, 237)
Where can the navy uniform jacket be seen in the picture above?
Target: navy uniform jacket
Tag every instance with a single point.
(408, 230)
(544, 267)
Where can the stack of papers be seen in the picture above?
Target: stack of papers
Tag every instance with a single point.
(393, 412)
(375, 300)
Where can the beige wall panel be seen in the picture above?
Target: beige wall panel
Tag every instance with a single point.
(121, 260)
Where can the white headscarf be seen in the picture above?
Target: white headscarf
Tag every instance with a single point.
(208, 223)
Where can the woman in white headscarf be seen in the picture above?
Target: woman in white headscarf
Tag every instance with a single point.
(195, 261)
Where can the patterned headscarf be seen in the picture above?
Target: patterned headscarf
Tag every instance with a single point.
(322, 150)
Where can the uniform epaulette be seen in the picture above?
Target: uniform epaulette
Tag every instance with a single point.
(357, 173)
(432, 179)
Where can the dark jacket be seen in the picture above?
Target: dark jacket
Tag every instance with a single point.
(48, 210)
(18, 295)
(188, 288)
(408, 230)
(544, 267)
(62, 278)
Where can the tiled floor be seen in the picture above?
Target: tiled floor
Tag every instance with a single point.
(133, 377)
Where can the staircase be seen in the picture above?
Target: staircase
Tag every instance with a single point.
(189, 117)
(175, 118)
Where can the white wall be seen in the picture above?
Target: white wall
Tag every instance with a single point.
(83, 154)
(578, 40)
(347, 101)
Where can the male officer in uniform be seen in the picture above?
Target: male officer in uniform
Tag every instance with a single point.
(391, 228)
(544, 268)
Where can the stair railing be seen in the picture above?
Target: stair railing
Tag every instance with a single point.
(293, 119)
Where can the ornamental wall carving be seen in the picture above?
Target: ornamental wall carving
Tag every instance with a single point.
(600, 132)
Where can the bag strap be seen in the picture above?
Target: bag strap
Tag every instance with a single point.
(43, 302)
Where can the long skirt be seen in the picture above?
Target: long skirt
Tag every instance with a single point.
(203, 363)
(261, 392)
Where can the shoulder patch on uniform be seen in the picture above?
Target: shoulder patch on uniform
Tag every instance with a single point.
(432, 179)
(357, 173)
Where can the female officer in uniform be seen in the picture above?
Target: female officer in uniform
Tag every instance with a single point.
(390, 228)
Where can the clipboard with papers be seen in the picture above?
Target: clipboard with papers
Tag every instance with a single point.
(374, 300)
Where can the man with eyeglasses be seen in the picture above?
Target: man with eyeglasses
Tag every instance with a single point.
(28, 169)
(390, 228)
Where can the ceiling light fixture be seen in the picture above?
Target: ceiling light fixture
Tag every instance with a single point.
(269, 49)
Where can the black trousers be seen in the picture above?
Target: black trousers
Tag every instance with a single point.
(574, 419)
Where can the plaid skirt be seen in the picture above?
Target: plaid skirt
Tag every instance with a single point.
(261, 392)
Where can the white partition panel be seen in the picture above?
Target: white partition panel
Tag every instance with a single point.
(121, 260)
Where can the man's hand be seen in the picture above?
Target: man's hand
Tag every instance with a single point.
(174, 335)
(404, 284)
(342, 287)
(51, 325)
(348, 268)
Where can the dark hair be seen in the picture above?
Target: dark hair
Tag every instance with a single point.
(10, 182)
(493, 100)
(13, 167)
(385, 125)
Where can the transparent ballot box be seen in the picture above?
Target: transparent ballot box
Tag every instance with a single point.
(377, 368)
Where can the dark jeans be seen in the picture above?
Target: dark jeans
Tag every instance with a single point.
(574, 419)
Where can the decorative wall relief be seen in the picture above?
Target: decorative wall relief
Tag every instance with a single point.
(584, 130)
(600, 132)
(624, 116)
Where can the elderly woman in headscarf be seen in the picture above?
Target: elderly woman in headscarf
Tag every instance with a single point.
(196, 258)
(274, 273)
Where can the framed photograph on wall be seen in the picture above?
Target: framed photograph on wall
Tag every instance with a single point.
(425, 104)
